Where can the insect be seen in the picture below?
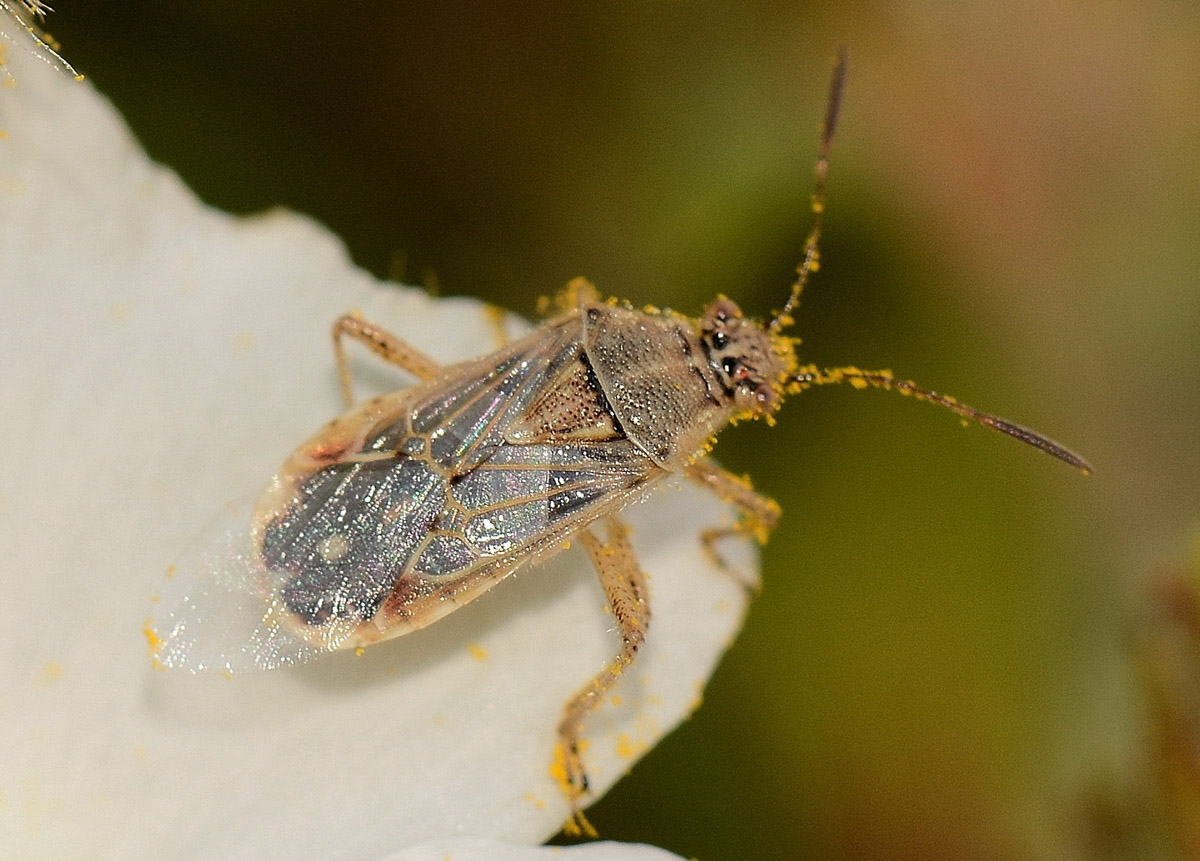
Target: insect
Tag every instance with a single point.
(414, 503)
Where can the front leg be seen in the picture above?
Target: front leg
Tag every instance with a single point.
(757, 514)
(625, 587)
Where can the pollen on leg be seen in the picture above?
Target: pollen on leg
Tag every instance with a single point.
(558, 770)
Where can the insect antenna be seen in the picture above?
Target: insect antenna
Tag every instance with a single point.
(812, 376)
(812, 256)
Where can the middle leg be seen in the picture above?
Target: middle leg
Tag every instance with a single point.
(625, 587)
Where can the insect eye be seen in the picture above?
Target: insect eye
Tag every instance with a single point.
(720, 340)
(729, 364)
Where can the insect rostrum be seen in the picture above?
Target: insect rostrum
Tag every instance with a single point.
(414, 503)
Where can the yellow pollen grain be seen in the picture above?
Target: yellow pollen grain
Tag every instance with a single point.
(558, 770)
(627, 748)
(153, 641)
(358, 652)
(478, 652)
(52, 671)
(578, 826)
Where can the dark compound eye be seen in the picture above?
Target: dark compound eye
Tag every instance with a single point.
(729, 364)
(720, 340)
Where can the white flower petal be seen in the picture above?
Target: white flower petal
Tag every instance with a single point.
(159, 359)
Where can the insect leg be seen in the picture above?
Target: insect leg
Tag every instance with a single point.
(383, 344)
(625, 587)
(758, 514)
(495, 317)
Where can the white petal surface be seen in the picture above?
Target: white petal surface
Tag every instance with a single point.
(158, 360)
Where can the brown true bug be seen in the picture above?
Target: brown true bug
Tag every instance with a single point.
(414, 503)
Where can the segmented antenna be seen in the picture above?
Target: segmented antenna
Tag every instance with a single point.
(812, 256)
(813, 376)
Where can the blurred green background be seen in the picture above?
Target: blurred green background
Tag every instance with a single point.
(941, 664)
